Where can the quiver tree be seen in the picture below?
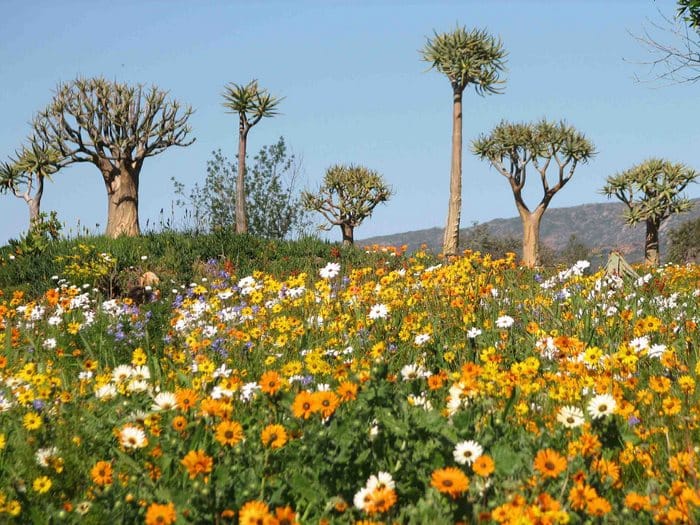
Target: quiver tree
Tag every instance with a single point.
(114, 126)
(347, 196)
(24, 176)
(510, 148)
(652, 193)
(252, 103)
(466, 58)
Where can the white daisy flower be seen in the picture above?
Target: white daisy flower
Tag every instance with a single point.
(164, 401)
(656, 351)
(639, 343)
(379, 311)
(329, 271)
(466, 452)
(141, 372)
(122, 373)
(137, 385)
(505, 321)
(106, 392)
(421, 339)
(570, 416)
(601, 405)
(131, 436)
(412, 371)
(380, 481)
(45, 455)
(473, 332)
(361, 498)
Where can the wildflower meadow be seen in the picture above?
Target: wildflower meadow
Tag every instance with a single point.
(394, 389)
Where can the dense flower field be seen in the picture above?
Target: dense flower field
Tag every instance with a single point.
(470, 391)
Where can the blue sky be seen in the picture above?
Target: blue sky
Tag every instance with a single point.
(355, 91)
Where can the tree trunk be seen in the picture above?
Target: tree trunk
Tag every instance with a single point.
(348, 234)
(450, 242)
(531, 237)
(241, 215)
(34, 202)
(122, 201)
(651, 244)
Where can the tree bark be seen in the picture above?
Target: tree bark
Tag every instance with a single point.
(450, 241)
(122, 185)
(651, 244)
(531, 236)
(34, 203)
(348, 234)
(241, 215)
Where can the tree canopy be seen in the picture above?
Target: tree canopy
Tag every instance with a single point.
(347, 196)
(467, 57)
(511, 147)
(652, 192)
(114, 126)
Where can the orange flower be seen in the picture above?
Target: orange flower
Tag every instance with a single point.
(270, 382)
(550, 463)
(255, 513)
(285, 516)
(229, 433)
(483, 465)
(101, 473)
(52, 297)
(185, 398)
(197, 462)
(598, 507)
(451, 481)
(228, 514)
(607, 469)
(347, 390)
(274, 436)
(327, 401)
(637, 502)
(158, 514)
(380, 500)
(304, 404)
(436, 381)
(179, 423)
(215, 407)
(580, 495)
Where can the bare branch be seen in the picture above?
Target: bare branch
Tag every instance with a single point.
(675, 51)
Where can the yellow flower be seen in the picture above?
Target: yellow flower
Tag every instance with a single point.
(274, 436)
(3, 441)
(42, 484)
(31, 421)
(13, 508)
(138, 357)
(671, 405)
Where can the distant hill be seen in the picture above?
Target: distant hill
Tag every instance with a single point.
(599, 226)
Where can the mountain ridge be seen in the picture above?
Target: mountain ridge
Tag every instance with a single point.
(599, 226)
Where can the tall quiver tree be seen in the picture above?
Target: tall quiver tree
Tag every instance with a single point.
(114, 126)
(24, 175)
(467, 58)
(511, 147)
(652, 193)
(252, 103)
